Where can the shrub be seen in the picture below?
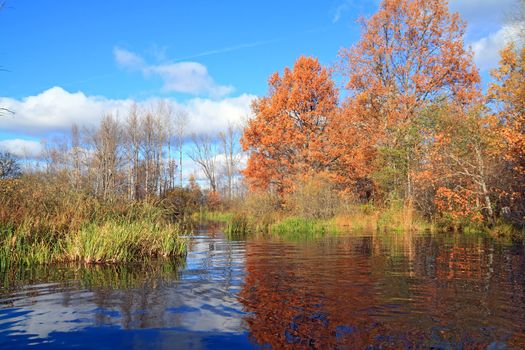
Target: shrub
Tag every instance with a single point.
(182, 202)
(314, 198)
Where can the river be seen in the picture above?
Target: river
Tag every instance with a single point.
(362, 291)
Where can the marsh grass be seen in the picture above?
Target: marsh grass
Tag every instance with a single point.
(42, 223)
(364, 218)
(238, 227)
(109, 242)
(297, 228)
(124, 241)
(216, 216)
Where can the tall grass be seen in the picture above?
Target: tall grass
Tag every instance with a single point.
(297, 228)
(352, 218)
(217, 216)
(123, 241)
(109, 242)
(46, 222)
(17, 245)
(238, 227)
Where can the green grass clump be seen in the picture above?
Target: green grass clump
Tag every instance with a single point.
(301, 228)
(18, 245)
(108, 242)
(115, 241)
(217, 216)
(43, 222)
(238, 227)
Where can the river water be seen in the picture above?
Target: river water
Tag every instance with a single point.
(363, 291)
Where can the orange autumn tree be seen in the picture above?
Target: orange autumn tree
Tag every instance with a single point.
(411, 55)
(289, 137)
(507, 93)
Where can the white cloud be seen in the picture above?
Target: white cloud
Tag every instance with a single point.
(56, 110)
(211, 116)
(22, 148)
(486, 50)
(184, 77)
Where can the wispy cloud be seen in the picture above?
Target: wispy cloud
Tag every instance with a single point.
(486, 50)
(345, 6)
(184, 77)
(359, 8)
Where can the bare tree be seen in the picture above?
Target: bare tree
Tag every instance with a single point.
(133, 142)
(55, 154)
(107, 142)
(232, 153)
(75, 155)
(165, 111)
(204, 153)
(181, 121)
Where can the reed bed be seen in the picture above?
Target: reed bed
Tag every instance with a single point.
(42, 223)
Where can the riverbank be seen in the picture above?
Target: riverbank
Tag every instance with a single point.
(42, 223)
(239, 224)
(94, 243)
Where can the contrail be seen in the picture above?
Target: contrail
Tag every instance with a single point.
(230, 49)
(247, 45)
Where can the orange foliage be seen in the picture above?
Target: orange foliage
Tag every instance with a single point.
(507, 92)
(459, 204)
(411, 53)
(462, 162)
(291, 133)
(412, 125)
(410, 56)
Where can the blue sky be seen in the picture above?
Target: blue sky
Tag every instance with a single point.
(73, 61)
(71, 43)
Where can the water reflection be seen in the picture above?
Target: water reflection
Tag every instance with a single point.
(371, 291)
(160, 304)
(386, 292)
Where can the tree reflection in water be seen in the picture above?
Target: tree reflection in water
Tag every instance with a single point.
(397, 291)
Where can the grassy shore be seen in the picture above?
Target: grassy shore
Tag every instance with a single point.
(46, 223)
(107, 242)
(238, 225)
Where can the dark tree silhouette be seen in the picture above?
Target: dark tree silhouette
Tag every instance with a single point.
(9, 166)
